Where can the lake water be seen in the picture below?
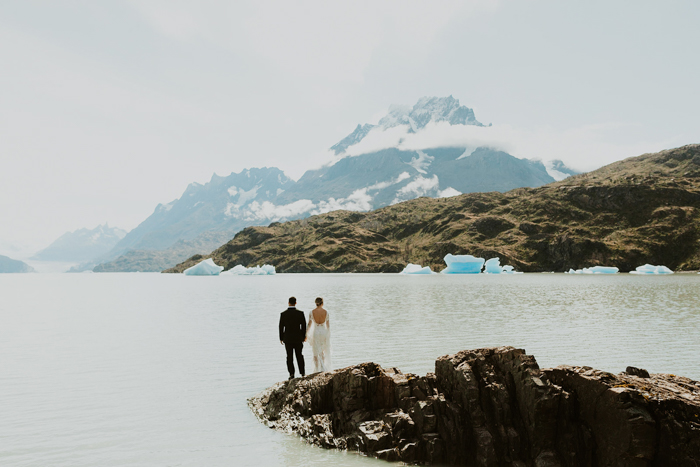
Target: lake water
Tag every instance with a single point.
(155, 369)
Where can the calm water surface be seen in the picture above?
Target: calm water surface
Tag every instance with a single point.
(154, 369)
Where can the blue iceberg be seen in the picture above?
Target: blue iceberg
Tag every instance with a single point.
(416, 269)
(240, 270)
(204, 268)
(493, 266)
(462, 264)
(650, 269)
(595, 270)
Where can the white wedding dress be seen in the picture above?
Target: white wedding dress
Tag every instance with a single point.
(319, 336)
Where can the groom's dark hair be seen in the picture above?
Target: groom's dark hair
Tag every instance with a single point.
(292, 301)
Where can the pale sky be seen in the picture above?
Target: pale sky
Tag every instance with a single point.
(109, 108)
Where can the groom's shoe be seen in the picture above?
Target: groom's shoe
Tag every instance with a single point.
(291, 377)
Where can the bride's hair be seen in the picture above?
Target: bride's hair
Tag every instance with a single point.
(319, 301)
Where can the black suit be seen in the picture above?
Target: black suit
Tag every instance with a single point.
(293, 333)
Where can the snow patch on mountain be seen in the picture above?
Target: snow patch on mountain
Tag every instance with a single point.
(402, 120)
(426, 110)
(382, 185)
(245, 196)
(231, 210)
(556, 175)
(557, 170)
(165, 207)
(421, 162)
(359, 200)
(467, 152)
(419, 186)
(353, 138)
(397, 115)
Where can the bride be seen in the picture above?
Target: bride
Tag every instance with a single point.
(318, 333)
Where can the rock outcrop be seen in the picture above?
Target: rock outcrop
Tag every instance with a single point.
(493, 407)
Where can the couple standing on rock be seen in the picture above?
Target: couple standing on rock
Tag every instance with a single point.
(294, 332)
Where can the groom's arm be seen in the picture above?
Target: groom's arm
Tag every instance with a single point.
(281, 330)
(303, 324)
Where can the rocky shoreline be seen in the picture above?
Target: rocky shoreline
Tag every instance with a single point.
(493, 407)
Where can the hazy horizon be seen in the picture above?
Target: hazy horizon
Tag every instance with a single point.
(112, 108)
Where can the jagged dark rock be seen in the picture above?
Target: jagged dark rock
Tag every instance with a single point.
(493, 407)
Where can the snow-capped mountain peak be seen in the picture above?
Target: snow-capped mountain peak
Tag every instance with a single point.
(426, 110)
(353, 138)
(429, 109)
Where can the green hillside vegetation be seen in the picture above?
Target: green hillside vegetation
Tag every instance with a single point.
(640, 210)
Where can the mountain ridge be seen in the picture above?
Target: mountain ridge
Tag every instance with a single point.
(640, 210)
(360, 182)
(9, 265)
(82, 245)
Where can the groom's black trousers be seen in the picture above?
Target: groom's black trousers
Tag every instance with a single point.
(296, 349)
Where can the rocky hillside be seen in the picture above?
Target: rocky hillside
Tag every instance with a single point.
(493, 407)
(641, 210)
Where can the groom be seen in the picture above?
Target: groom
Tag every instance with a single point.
(292, 335)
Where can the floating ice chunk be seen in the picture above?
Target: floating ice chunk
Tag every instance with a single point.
(508, 269)
(264, 270)
(240, 270)
(649, 269)
(204, 268)
(416, 269)
(462, 264)
(493, 266)
(595, 270)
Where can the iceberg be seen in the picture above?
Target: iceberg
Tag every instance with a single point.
(508, 269)
(493, 266)
(416, 269)
(240, 270)
(204, 268)
(462, 264)
(595, 270)
(650, 269)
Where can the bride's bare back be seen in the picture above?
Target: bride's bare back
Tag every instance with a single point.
(319, 314)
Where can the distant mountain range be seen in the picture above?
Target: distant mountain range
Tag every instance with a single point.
(224, 204)
(644, 209)
(356, 181)
(9, 265)
(82, 245)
